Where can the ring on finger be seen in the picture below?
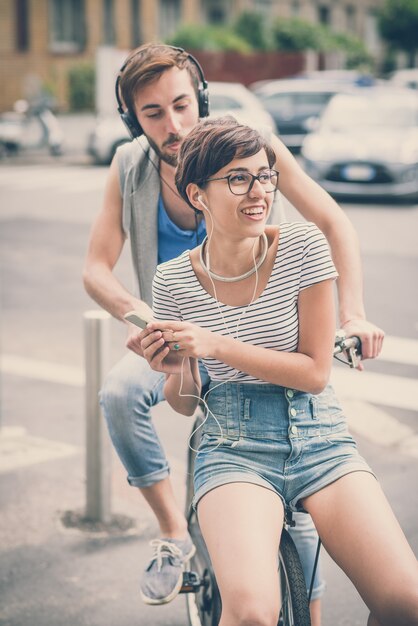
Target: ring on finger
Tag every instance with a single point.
(176, 346)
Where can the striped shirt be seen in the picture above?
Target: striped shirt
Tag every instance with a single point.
(271, 321)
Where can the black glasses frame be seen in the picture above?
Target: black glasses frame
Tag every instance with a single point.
(251, 185)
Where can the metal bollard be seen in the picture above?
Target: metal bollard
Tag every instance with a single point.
(98, 465)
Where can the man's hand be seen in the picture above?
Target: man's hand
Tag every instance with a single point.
(135, 335)
(134, 339)
(371, 337)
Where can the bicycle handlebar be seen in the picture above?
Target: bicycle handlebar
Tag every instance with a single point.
(350, 346)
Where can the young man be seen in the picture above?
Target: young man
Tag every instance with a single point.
(161, 88)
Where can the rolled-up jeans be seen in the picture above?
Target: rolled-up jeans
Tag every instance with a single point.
(129, 392)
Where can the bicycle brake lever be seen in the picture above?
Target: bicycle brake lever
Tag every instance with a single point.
(353, 357)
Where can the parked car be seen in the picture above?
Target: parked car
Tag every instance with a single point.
(292, 102)
(366, 145)
(348, 77)
(234, 98)
(405, 78)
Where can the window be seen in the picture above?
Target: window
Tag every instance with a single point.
(350, 12)
(136, 31)
(263, 6)
(22, 25)
(220, 101)
(295, 8)
(324, 14)
(108, 23)
(214, 12)
(66, 26)
(169, 17)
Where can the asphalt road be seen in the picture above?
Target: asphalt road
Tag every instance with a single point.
(50, 576)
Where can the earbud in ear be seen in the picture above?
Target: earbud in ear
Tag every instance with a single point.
(200, 200)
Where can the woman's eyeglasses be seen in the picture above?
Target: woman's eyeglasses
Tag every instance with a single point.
(241, 183)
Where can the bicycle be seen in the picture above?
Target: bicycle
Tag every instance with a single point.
(199, 582)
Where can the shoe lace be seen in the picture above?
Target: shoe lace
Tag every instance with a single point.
(163, 548)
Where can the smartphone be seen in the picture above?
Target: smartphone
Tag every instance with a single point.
(139, 319)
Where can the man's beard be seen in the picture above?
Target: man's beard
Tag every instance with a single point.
(168, 157)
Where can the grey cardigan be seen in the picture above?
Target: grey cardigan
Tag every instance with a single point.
(140, 189)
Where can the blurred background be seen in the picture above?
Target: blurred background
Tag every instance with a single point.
(337, 81)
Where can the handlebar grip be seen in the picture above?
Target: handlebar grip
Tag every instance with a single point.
(353, 342)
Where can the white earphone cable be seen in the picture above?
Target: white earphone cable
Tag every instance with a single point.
(236, 332)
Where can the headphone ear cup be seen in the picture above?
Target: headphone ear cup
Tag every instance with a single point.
(203, 98)
(133, 126)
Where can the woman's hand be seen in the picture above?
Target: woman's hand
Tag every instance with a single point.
(158, 353)
(185, 339)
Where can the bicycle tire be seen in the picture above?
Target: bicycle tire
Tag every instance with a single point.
(295, 607)
(204, 606)
(191, 455)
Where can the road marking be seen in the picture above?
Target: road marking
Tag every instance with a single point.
(356, 390)
(391, 391)
(400, 350)
(67, 180)
(380, 428)
(18, 449)
(42, 370)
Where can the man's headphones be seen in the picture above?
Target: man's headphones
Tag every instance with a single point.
(129, 118)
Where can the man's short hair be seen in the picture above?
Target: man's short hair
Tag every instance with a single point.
(147, 63)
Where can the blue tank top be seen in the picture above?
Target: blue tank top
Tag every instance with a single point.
(172, 240)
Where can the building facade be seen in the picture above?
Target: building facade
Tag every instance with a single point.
(40, 40)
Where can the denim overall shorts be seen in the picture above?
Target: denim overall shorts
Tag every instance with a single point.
(291, 442)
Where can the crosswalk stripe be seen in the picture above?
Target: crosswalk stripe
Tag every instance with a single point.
(18, 450)
(391, 391)
(69, 180)
(400, 350)
(42, 370)
(356, 390)
(384, 389)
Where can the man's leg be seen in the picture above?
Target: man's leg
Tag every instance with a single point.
(129, 392)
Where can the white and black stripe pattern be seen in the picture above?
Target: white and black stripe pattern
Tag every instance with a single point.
(302, 260)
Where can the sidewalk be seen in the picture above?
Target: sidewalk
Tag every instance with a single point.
(51, 575)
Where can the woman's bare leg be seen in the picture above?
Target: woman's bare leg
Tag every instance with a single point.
(361, 533)
(241, 524)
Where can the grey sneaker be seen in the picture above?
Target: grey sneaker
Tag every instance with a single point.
(163, 577)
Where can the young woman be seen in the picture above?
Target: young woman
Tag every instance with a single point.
(255, 303)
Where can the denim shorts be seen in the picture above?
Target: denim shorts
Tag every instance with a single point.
(291, 442)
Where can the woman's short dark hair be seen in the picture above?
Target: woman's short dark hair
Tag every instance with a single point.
(211, 145)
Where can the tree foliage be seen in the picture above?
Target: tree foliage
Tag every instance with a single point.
(251, 32)
(398, 25)
(81, 85)
(215, 38)
(295, 34)
(251, 26)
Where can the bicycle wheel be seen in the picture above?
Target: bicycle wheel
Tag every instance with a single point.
(203, 606)
(191, 455)
(295, 606)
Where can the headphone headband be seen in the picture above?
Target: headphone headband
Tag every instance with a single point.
(129, 118)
